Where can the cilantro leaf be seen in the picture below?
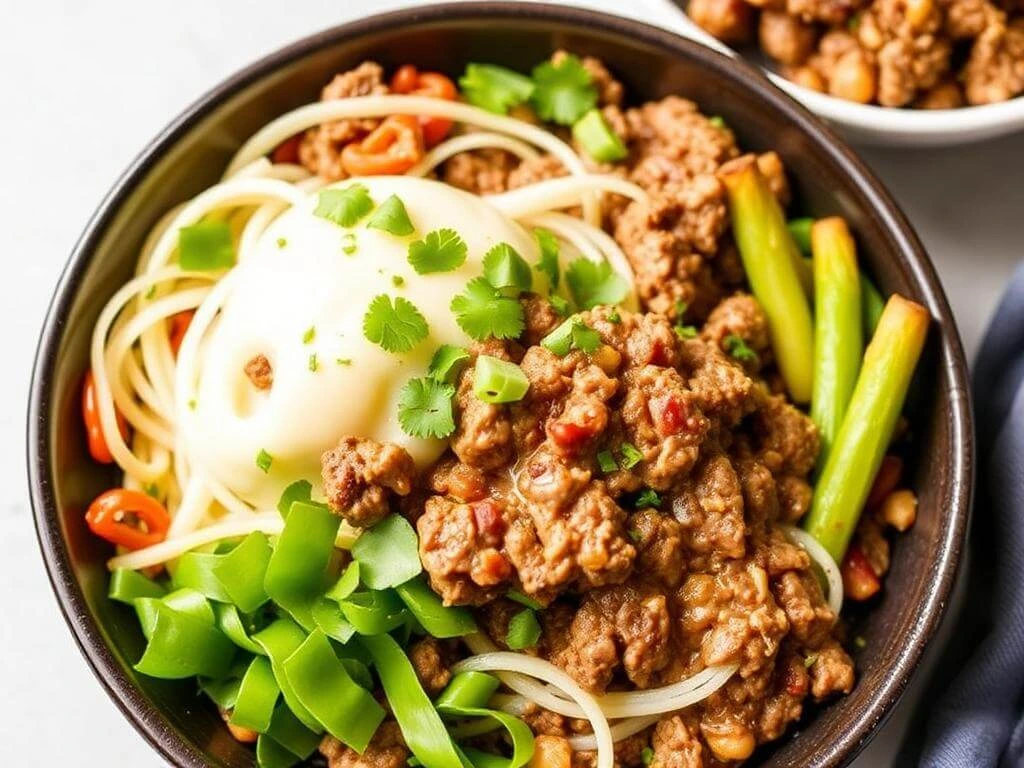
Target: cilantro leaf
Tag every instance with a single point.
(446, 363)
(425, 408)
(563, 92)
(631, 455)
(560, 305)
(738, 349)
(440, 251)
(572, 334)
(391, 217)
(345, 206)
(548, 262)
(264, 460)
(648, 498)
(394, 327)
(585, 338)
(505, 268)
(592, 283)
(205, 247)
(494, 88)
(481, 311)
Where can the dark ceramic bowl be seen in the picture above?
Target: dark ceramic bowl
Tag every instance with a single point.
(191, 153)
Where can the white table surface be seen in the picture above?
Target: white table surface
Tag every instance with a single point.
(84, 84)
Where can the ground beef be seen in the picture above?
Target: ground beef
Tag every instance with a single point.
(786, 38)
(259, 372)
(995, 69)
(320, 149)
(428, 659)
(675, 745)
(482, 171)
(358, 475)
(534, 170)
(740, 316)
(729, 20)
(386, 750)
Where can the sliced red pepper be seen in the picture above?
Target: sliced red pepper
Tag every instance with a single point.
(391, 150)
(860, 582)
(287, 151)
(130, 519)
(98, 448)
(409, 80)
(669, 413)
(888, 477)
(179, 327)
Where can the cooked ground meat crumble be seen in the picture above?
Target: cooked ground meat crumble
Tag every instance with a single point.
(638, 595)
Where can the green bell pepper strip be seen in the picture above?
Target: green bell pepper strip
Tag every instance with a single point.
(480, 759)
(257, 697)
(388, 553)
(195, 570)
(241, 572)
(188, 601)
(300, 490)
(223, 691)
(232, 624)
(288, 731)
(346, 585)
(436, 618)
(325, 688)
(374, 613)
(871, 303)
(279, 640)
(180, 646)
(466, 696)
(297, 571)
(331, 621)
(270, 754)
(421, 725)
(126, 586)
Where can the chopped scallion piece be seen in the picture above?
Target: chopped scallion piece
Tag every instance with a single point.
(281, 242)
(391, 217)
(498, 381)
(397, 280)
(494, 88)
(517, 596)
(348, 243)
(738, 349)
(523, 630)
(597, 138)
(345, 207)
(264, 460)
(446, 363)
(648, 498)
(206, 246)
(718, 121)
(606, 461)
(309, 335)
(344, 361)
(685, 332)
(313, 364)
(505, 268)
(631, 455)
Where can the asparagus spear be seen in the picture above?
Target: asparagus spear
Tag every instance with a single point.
(769, 257)
(838, 339)
(857, 452)
(872, 303)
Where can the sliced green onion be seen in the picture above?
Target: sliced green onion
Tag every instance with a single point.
(279, 640)
(264, 460)
(323, 685)
(391, 217)
(256, 697)
(206, 246)
(374, 613)
(300, 490)
(597, 138)
(436, 618)
(182, 646)
(297, 571)
(446, 363)
(421, 726)
(606, 461)
(349, 244)
(517, 596)
(498, 381)
(523, 630)
(241, 572)
(127, 585)
(388, 553)
(631, 455)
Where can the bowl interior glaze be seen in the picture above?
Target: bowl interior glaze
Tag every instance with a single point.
(193, 151)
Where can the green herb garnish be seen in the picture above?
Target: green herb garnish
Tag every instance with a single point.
(391, 217)
(446, 363)
(560, 305)
(397, 280)
(494, 88)
(309, 335)
(718, 121)
(264, 460)
(499, 381)
(572, 334)
(523, 630)
(505, 268)
(597, 138)
(281, 242)
(425, 408)
(314, 364)
(648, 498)
(348, 243)
(685, 332)
(482, 311)
(739, 350)
(395, 327)
(592, 283)
(343, 361)
(344, 207)
(563, 92)
(606, 461)
(631, 455)
(548, 262)
(206, 247)
(517, 596)
(614, 317)
(440, 251)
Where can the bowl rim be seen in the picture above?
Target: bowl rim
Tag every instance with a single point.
(88, 635)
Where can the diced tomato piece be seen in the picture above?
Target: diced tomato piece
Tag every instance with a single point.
(860, 582)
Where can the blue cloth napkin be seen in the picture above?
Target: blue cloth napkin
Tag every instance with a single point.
(979, 721)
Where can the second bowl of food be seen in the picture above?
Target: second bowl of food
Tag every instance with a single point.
(500, 386)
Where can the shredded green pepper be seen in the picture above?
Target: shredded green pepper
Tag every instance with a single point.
(279, 640)
(270, 754)
(241, 572)
(466, 696)
(375, 612)
(325, 688)
(187, 601)
(233, 624)
(257, 697)
(195, 570)
(328, 617)
(346, 585)
(388, 553)
(437, 619)
(424, 732)
(126, 586)
(288, 731)
(297, 571)
(181, 645)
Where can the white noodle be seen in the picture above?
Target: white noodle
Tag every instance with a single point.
(620, 730)
(824, 560)
(563, 192)
(470, 141)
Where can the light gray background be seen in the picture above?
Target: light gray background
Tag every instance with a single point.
(84, 84)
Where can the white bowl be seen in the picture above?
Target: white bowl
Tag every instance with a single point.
(868, 124)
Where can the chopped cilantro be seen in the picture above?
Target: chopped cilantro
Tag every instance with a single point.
(614, 317)
(680, 307)
(634, 535)
(563, 92)
(481, 311)
(440, 251)
(395, 327)
(446, 363)
(738, 349)
(152, 490)
(348, 243)
(523, 630)
(494, 88)
(505, 268)
(606, 461)
(522, 599)
(309, 335)
(685, 332)
(281, 242)
(192, 404)
(646, 755)
(585, 338)
(593, 283)
(631, 455)
(397, 280)
(597, 138)
(343, 361)
(345, 206)
(314, 364)
(264, 460)
(560, 305)
(548, 262)
(499, 381)
(206, 247)
(150, 293)
(718, 121)
(809, 660)
(572, 334)
(425, 408)
(391, 217)
(647, 499)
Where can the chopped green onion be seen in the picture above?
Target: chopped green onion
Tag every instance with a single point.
(256, 697)
(345, 206)
(438, 619)
(517, 596)
(718, 121)
(494, 88)
(597, 138)
(738, 349)
(647, 756)
(264, 460)
(206, 246)
(631, 455)
(523, 630)
(388, 553)
(685, 332)
(606, 461)
(446, 363)
(309, 335)
(343, 361)
(391, 217)
(349, 244)
(614, 317)
(397, 280)
(297, 571)
(314, 363)
(300, 490)
(648, 498)
(127, 585)
(241, 572)
(325, 688)
(281, 242)
(505, 268)
(498, 381)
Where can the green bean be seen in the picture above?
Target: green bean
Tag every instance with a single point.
(770, 258)
(867, 428)
(838, 341)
